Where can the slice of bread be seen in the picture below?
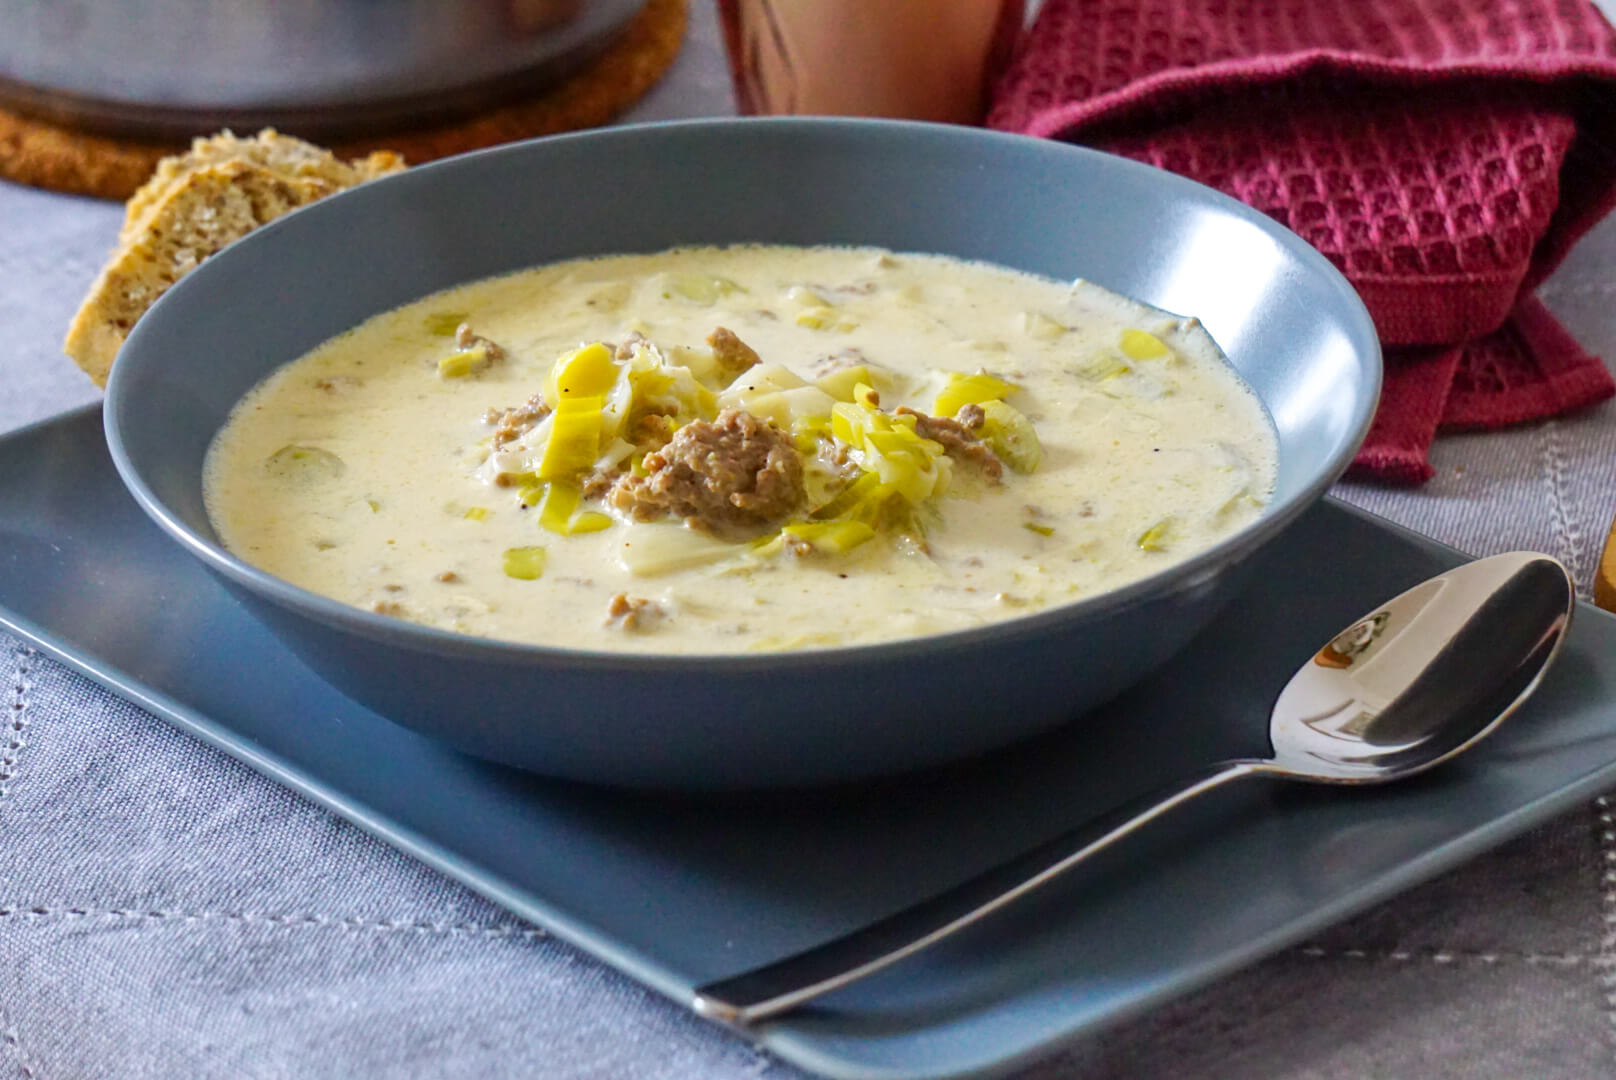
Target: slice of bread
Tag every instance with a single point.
(193, 206)
(310, 168)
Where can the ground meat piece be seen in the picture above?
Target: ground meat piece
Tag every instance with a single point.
(837, 361)
(466, 338)
(852, 288)
(957, 436)
(734, 355)
(598, 483)
(652, 430)
(627, 612)
(735, 473)
(625, 351)
(512, 424)
(837, 458)
(338, 384)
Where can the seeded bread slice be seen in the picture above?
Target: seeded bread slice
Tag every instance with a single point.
(313, 170)
(191, 208)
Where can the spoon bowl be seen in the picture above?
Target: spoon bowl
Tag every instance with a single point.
(1425, 676)
(1420, 679)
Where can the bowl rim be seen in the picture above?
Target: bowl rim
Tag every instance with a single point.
(1182, 574)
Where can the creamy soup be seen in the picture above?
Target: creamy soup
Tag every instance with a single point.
(738, 449)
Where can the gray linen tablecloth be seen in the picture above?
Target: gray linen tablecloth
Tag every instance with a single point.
(164, 912)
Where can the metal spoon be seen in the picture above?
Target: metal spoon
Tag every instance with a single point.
(1422, 678)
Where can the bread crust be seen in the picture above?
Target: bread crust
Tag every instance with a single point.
(316, 171)
(193, 206)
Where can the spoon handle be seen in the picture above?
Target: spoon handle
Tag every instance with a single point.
(784, 984)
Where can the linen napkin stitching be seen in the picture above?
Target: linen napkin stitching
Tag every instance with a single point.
(37, 913)
(17, 720)
(1446, 957)
(14, 1044)
(762, 1061)
(1576, 292)
(1607, 943)
(1568, 530)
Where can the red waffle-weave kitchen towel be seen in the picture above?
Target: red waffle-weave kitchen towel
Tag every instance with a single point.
(1444, 154)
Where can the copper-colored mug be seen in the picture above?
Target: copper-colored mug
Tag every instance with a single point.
(918, 59)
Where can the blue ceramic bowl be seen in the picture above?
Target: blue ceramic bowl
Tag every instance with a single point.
(1288, 321)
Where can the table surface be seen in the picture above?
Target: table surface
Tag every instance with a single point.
(166, 912)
